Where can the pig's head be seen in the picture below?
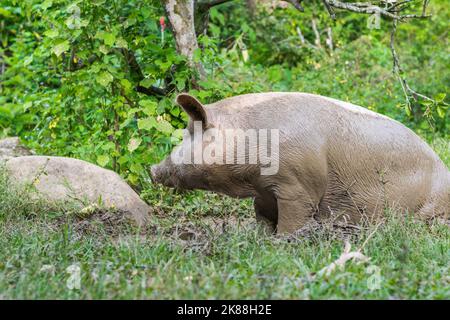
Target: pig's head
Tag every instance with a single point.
(186, 174)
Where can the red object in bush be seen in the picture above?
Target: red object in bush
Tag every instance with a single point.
(162, 23)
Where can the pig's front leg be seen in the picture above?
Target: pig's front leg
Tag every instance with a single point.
(266, 212)
(299, 191)
(294, 214)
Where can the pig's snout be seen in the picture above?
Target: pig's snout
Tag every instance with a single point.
(160, 174)
(156, 174)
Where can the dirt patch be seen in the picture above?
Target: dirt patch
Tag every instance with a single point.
(110, 222)
(328, 229)
(94, 220)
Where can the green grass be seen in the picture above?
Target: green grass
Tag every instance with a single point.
(201, 245)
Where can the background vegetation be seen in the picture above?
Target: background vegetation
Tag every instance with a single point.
(78, 76)
(96, 80)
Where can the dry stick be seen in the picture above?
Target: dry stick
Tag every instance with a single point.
(329, 40)
(424, 6)
(370, 235)
(300, 35)
(316, 33)
(304, 41)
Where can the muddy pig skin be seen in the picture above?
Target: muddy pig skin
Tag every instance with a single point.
(334, 158)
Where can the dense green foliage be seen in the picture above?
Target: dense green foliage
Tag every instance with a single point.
(71, 69)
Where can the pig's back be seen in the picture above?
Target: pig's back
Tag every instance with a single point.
(343, 125)
(284, 110)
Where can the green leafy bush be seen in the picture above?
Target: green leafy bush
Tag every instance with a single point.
(83, 78)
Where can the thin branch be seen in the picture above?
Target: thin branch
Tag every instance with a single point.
(368, 8)
(392, 11)
(132, 62)
(398, 71)
(398, 4)
(359, 8)
(201, 16)
(152, 90)
(206, 5)
(81, 63)
(329, 9)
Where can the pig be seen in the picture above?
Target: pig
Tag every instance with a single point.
(331, 158)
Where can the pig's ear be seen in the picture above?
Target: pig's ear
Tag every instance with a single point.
(193, 108)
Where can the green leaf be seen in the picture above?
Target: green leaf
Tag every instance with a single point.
(122, 160)
(134, 143)
(441, 111)
(147, 123)
(197, 55)
(132, 178)
(177, 136)
(126, 85)
(61, 47)
(164, 127)
(440, 97)
(102, 160)
(136, 168)
(148, 106)
(46, 4)
(103, 49)
(407, 109)
(121, 43)
(27, 105)
(28, 60)
(146, 83)
(96, 68)
(109, 39)
(52, 33)
(104, 78)
(98, 2)
(108, 146)
(180, 83)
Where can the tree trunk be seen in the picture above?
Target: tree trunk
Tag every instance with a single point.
(181, 17)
